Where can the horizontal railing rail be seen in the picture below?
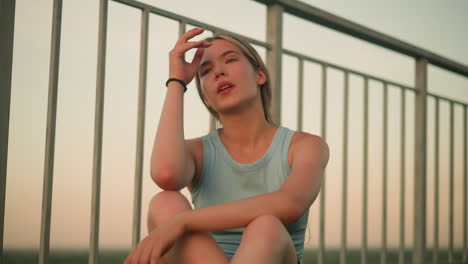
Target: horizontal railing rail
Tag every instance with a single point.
(344, 69)
(316, 15)
(187, 20)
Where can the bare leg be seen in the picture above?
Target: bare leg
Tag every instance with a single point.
(265, 241)
(193, 248)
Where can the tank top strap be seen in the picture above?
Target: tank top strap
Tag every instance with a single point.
(285, 143)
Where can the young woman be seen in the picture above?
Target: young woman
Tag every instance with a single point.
(251, 182)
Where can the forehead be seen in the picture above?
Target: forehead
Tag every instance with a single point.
(218, 47)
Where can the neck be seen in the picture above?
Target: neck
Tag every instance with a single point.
(248, 128)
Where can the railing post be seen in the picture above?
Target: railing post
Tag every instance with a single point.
(300, 94)
(47, 187)
(435, 247)
(7, 28)
(401, 255)
(323, 119)
(140, 128)
(420, 162)
(274, 62)
(344, 197)
(365, 176)
(98, 131)
(451, 177)
(383, 252)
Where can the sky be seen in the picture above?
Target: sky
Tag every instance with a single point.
(438, 26)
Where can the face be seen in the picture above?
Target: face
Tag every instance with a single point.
(228, 80)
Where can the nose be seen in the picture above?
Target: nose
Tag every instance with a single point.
(219, 71)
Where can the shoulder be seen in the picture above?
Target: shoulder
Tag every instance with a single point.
(306, 146)
(310, 140)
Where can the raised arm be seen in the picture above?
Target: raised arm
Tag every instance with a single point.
(172, 164)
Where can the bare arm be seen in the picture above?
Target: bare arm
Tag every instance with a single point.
(172, 164)
(296, 195)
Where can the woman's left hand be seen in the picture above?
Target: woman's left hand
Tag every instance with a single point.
(151, 249)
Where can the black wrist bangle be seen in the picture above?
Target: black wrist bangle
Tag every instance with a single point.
(177, 80)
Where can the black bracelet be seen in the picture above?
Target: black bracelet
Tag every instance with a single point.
(177, 80)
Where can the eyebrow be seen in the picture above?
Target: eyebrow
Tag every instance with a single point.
(224, 54)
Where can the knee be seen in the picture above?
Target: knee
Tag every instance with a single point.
(165, 204)
(172, 197)
(267, 229)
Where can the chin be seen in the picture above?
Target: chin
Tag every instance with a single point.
(234, 108)
(234, 104)
(229, 109)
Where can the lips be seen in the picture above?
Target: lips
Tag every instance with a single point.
(224, 87)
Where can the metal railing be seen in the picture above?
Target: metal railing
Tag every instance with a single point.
(7, 21)
(275, 51)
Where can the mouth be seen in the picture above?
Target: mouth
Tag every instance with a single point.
(224, 87)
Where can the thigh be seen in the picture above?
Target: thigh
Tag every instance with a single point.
(194, 247)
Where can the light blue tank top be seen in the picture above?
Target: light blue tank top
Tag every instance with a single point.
(223, 180)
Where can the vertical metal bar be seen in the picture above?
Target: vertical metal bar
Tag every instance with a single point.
(182, 28)
(300, 93)
(344, 201)
(465, 197)
(182, 31)
(50, 133)
(401, 256)
(435, 252)
(365, 168)
(140, 128)
(274, 37)
(451, 198)
(383, 254)
(321, 256)
(7, 29)
(420, 162)
(98, 129)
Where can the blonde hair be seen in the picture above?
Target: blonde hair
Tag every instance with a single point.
(252, 56)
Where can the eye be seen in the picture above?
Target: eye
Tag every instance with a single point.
(231, 60)
(204, 72)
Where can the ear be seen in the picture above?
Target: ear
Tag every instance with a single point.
(261, 77)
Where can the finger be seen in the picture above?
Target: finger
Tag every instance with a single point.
(129, 258)
(135, 255)
(189, 34)
(155, 256)
(181, 49)
(145, 254)
(154, 260)
(197, 57)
